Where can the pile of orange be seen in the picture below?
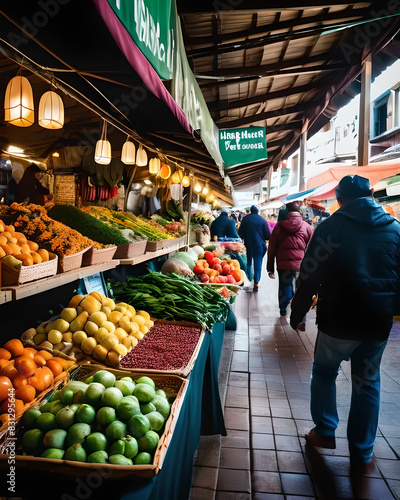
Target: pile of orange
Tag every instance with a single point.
(25, 373)
(16, 244)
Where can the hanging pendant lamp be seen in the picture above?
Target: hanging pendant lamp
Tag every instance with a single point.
(102, 153)
(154, 166)
(205, 190)
(165, 171)
(51, 111)
(197, 188)
(141, 157)
(128, 153)
(18, 102)
(177, 176)
(185, 181)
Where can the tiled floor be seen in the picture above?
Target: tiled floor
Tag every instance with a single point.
(264, 381)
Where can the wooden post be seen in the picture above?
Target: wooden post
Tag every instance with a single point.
(129, 186)
(302, 159)
(189, 211)
(365, 103)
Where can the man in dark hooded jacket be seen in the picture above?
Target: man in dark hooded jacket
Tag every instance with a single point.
(223, 227)
(287, 245)
(353, 264)
(254, 231)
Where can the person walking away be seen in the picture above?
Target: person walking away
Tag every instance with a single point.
(353, 264)
(288, 242)
(223, 227)
(255, 232)
(29, 187)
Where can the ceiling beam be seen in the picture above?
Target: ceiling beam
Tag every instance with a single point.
(283, 127)
(276, 113)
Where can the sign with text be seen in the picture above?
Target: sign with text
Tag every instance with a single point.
(242, 145)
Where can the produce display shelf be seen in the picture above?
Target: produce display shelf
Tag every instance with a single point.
(23, 291)
(5, 296)
(152, 255)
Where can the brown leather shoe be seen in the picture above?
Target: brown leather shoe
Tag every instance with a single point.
(320, 441)
(255, 288)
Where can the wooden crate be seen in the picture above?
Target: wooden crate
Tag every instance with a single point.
(94, 256)
(11, 276)
(131, 250)
(172, 385)
(70, 262)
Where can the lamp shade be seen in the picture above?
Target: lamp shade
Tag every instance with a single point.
(197, 188)
(176, 177)
(185, 181)
(51, 111)
(210, 198)
(128, 153)
(154, 166)
(165, 171)
(102, 154)
(18, 102)
(205, 190)
(141, 157)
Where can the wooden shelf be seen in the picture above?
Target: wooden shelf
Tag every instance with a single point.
(28, 289)
(151, 255)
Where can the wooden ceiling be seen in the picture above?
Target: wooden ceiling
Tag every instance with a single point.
(283, 66)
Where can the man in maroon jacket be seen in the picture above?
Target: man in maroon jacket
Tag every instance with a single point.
(287, 244)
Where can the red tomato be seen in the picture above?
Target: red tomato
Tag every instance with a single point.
(226, 269)
(209, 257)
(217, 267)
(5, 386)
(216, 261)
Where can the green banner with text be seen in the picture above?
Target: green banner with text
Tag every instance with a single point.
(242, 145)
(151, 24)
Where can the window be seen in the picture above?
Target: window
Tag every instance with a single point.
(380, 114)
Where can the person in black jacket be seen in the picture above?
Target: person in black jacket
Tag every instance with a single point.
(353, 264)
(223, 227)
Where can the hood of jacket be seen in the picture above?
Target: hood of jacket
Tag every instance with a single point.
(292, 222)
(364, 211)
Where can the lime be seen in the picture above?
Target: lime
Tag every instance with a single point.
(144, 392)
(160, 392)
(30, 416)
(142, 458)
(138, 425)
(93, 394)
(161, 405)
(117, 448)
(147, 408)
(53, 453)
(32, 440)
(116, 430)
(98, 457)
(77, 433)
(120, 460)
(131, 446)
(66, 397)
(111, 397)
(46, 421)
(127, 408)
(85, 413)
(156, 420)
(104, 377)
(106, 415)
(146, 380)
(75, 452)
(96, 441)
(149, 442)
(65, 417)
(55, 438)
(124, 386)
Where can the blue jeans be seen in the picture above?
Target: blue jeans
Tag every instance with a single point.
(365, 360)
(254, 260)
(287, 279)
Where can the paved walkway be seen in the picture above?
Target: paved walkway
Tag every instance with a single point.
(264, 381)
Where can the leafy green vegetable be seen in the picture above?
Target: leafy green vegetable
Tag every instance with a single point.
(87, 225)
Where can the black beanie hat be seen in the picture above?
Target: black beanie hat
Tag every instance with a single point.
(352, 187)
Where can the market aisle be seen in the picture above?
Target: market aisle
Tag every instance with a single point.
(267, 413)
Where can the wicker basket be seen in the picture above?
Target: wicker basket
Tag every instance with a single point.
(153, 246)
(171, 384)
(134, 249)
(11, 276)
(94, 256)
(70, 262)
(183, 371)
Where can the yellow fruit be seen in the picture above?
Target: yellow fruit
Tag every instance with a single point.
(139, 335)
(67, 337)
(54, 336)
(145, 314)
(58, 324)
(120, 309)
(46, 345)
(143, 329)
(132, 310)
(78, 337)
(88, 345)
(114, 317)
(139, 319)
(134, 327)
(107, 302)
(101, 334)
(79, 322)
(100, 353)
(120, 333)
(110, 341)
(112, 358)
(69, 314)
(106, 310)
(91, 327)
(90, 304)
(121, 304)
(29, 334)
(120, 349)
(108, 326)
(41, 328)
(98, 296)
(60, 346)
(128, 342)
(39, 338)
(99, 318)
(75, 301)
